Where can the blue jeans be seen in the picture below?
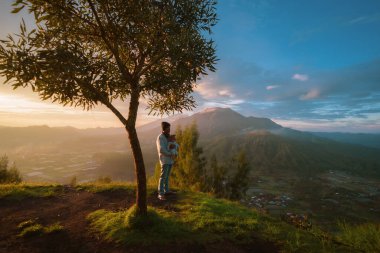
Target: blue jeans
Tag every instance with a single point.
(163, 183)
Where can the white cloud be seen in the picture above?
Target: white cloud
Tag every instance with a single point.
(354, 125)
(300, 77)
(226, 93)
(208, 89)
(272, 87)
(312, 94)
(365, 19)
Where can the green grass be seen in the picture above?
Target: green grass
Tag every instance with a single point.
(31, 228)
(54, 228)
(197, 218)
(27, 190)
(365, 237)
(98, 187)
(200, 218)
(218, 217)
(126, 228)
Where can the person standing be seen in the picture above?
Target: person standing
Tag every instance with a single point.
(166, 160)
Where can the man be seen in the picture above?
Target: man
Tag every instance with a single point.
(166, 160)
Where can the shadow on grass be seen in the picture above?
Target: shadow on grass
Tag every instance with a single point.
(127, 228)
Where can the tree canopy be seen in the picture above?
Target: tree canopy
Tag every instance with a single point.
(89, 52)
(85, 52)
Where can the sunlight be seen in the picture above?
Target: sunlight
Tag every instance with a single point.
(18, 110)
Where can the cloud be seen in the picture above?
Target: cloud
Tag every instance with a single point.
(336, 97)
(366, 19)
(338, 125)
(300, 77)
(272, 87)
(209, 89)
(312, 94)
(226, 93)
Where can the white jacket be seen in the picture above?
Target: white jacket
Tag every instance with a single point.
(164, 153)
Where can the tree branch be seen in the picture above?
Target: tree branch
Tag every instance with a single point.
(114, 50)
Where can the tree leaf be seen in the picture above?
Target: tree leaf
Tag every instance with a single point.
(18, 9)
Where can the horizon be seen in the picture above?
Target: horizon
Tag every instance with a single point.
(173, 119)
(284, 61)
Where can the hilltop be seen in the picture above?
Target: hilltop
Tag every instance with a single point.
(90, 218)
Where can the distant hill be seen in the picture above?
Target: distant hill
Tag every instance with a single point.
(369, 140)
(270, 147)
(34, 135)
(218, 122)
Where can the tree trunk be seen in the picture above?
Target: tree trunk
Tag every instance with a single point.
(136, 150)
(130, 126)
(139, 171)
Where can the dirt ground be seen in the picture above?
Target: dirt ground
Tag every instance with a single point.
(71, 207)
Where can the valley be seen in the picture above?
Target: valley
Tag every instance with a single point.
(292, 172)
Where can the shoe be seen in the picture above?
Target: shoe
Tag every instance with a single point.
(161, 197)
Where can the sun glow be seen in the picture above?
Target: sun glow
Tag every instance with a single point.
(18, 110)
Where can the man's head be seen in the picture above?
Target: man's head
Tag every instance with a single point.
(165, 127)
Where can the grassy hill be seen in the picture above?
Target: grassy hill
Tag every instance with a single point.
(99, 218)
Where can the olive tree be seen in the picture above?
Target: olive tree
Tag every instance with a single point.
(88, 52)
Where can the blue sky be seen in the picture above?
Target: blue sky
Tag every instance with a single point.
(309, 65)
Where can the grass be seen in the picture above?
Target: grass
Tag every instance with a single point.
(126, 228)
(54, 228)
(197, 218)
(200, 218)
(31, 228)
(218, 217)
(98, 187)
(28, 190)
(365, 237)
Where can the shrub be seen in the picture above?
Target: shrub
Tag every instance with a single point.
(8, 175)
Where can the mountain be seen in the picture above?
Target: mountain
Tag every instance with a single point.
(217, 122)
(270, 147)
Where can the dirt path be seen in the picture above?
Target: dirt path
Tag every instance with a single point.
(70, 209)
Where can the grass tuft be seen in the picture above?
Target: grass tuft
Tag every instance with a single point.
(30, 228)
(365, 237)
(54, 228)
(33, 230)
(127, 228)
(25, 224)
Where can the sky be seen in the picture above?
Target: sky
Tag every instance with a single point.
(308, 65)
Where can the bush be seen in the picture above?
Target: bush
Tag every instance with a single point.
(8, 175)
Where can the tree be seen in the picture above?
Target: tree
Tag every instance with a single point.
(238, 183)
(189, 168)
(89, 52)
(8, 175)
(218, 178)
